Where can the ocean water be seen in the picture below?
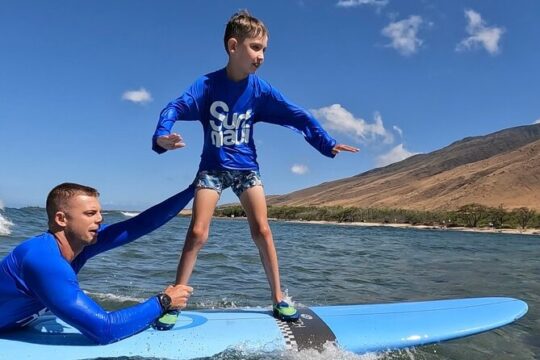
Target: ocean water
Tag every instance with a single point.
(323, 265)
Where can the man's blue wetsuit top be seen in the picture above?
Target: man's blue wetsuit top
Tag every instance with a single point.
(228, 110)
(35, 276)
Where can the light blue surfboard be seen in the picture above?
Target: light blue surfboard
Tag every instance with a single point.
(355, 328)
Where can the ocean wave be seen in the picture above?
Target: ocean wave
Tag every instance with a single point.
(5, 225)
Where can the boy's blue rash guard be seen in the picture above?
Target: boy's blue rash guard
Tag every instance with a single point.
(228, 110)
(35, 276)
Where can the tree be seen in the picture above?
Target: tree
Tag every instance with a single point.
(523, 216)
(497, 216)
(472, 214)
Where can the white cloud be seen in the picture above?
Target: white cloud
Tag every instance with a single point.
(299, 169)
(537, 121)
(337, 118)
(403, 35)
(353, 3)
(140, 96)
(398, 153)
(480, 34)
(398, 130)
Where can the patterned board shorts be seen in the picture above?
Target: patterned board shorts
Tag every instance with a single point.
(219, 180)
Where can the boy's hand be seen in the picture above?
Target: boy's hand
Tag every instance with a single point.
(179, 295)
(171, 142)
(342, 147)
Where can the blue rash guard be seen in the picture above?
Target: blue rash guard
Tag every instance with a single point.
(35, 276)
(228, 110)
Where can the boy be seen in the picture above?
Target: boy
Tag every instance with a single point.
(228, 103)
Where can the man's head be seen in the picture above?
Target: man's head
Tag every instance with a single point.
(245, 40)
(74, 209)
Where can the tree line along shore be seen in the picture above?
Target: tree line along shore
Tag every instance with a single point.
(467, 216)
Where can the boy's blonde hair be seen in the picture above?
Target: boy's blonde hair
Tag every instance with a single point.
(242, 26)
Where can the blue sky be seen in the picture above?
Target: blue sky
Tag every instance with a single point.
(82, 84)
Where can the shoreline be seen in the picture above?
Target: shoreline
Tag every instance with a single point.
(531, 231)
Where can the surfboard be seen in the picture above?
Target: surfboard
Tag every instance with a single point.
(355, 328)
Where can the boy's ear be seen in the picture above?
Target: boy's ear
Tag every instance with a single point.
(232, 44)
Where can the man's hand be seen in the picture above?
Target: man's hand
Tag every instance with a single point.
(171, 142)
(342, 147)
(179, 295)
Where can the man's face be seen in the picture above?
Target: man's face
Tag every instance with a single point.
(249, 54)
(82, 218)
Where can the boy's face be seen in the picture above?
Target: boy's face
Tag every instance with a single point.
(247, 56)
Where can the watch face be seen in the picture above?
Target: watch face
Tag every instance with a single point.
(165, 301)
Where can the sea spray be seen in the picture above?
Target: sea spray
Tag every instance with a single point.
(129, 213)
(330, 352)
(5, 224)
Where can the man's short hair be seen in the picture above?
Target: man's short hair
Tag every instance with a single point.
(60, 194)
(242, 26)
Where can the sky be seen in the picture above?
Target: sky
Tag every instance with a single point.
(82, 84)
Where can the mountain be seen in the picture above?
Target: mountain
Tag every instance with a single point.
(499, 168)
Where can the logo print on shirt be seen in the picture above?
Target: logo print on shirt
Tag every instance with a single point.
(228, 130)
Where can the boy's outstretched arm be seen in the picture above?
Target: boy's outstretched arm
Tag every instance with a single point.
(342, 147)
(163, 139)
(278, 110)
(185, 107)
(170, 142)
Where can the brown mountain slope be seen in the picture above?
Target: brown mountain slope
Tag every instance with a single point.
(499, 168)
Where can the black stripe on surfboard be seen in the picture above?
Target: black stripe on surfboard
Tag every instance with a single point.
(309, 332)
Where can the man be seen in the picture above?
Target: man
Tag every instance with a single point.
(41, 273)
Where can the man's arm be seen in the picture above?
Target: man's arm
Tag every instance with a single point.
(149, 220)
(55, 284)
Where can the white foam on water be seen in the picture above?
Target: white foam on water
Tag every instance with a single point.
(289, 300)
(129, 213)
(5, 224)
(114, 297)
(224, 303)
(332, 352)
(329, 352)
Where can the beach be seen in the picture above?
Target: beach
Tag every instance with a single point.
(527, 231)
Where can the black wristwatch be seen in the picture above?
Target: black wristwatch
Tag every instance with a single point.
(165, 302)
